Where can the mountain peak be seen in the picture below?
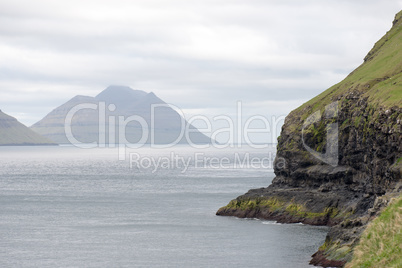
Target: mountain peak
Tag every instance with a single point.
(123, 95)
(119, 90)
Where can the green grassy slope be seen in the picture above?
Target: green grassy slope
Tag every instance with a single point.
(381, 242)
(13, 132)
(379, 77)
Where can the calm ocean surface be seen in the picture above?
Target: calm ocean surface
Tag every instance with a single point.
(71, 207)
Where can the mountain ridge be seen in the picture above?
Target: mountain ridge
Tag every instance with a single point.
(13, 133)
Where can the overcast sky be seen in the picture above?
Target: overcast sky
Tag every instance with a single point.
(202, 56)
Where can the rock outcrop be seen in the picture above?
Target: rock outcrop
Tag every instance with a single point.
(339, 156)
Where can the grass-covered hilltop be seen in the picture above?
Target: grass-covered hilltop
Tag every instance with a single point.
(339, 158)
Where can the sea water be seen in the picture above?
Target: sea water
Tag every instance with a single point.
(71, 207)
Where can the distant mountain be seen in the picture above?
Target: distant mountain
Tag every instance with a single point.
(100, 117)
(13, 132)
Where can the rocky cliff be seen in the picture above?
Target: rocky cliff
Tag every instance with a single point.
(339, 156)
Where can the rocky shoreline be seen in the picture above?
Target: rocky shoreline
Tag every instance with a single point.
(347, 215)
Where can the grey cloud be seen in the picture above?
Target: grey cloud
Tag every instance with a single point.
(198, 55)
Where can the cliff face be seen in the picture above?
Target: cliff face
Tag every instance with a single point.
(339, 156)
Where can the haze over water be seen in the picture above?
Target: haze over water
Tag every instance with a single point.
(65, 207)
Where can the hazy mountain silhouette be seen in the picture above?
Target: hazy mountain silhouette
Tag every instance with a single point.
(119, 106)
(13, 132)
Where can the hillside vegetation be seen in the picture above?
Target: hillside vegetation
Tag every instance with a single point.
(381, 243)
